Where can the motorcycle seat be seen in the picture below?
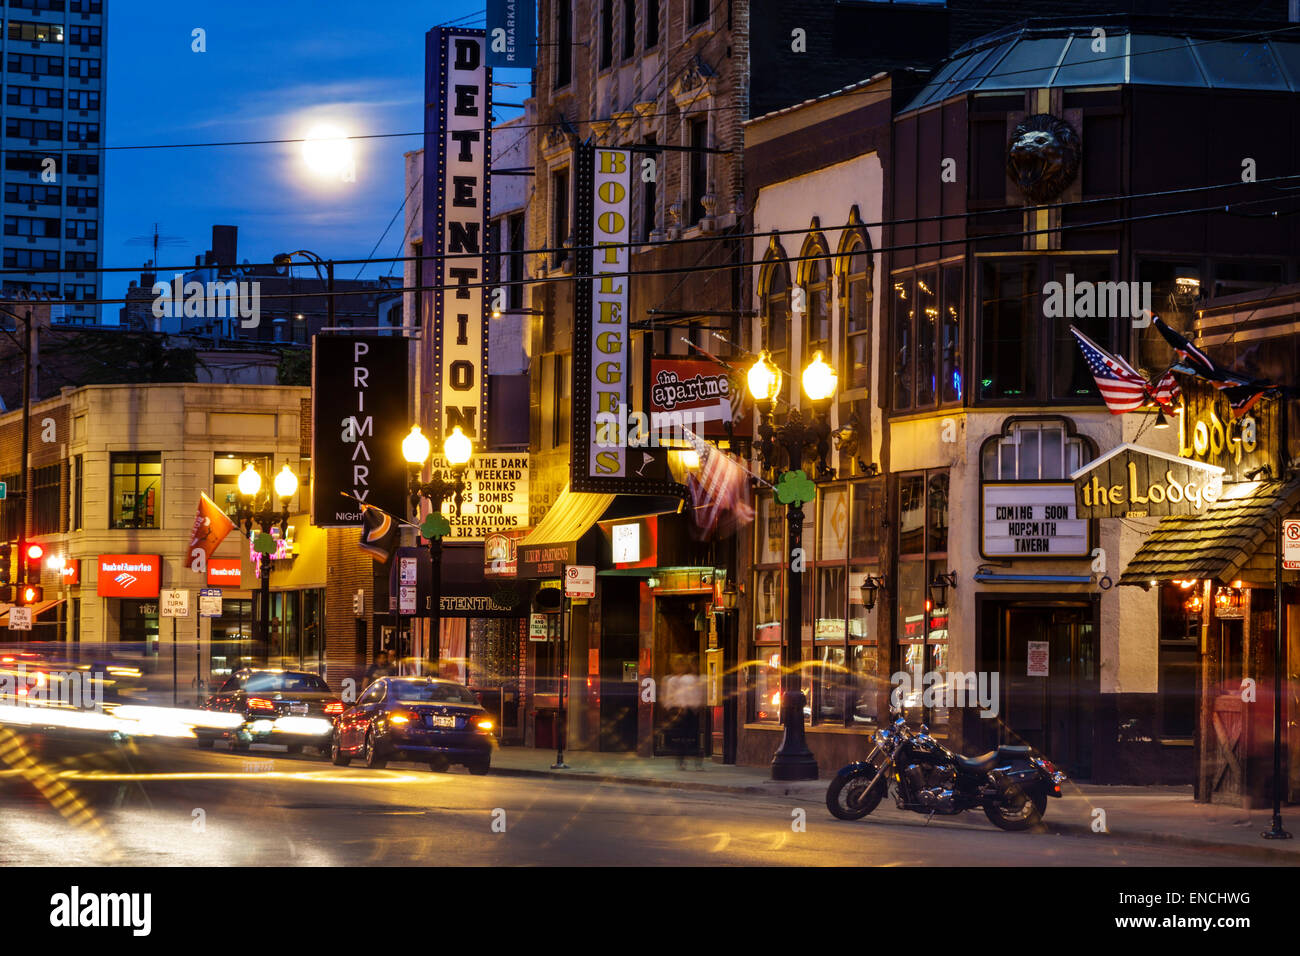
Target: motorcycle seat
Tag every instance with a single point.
(986, 762)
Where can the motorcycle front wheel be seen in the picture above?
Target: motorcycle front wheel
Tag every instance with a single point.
(1017, 810)
(851, 796)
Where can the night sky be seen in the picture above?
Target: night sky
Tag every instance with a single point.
(272, 70)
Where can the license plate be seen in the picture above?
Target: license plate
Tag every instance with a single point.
(439, 720)
(297, 708)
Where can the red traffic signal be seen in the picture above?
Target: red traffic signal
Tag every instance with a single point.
(35, 552)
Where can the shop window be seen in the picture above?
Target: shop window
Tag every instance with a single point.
(1035, 450)
(1180, 641)
(922, 625)
(226, 467)
(135, 490)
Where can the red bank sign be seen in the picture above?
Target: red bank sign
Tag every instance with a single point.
(224, 572)
(129, 575)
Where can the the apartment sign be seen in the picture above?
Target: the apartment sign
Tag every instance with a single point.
(495, 497)
(359, 418)
(601, 458)
(456, 209)
(1031, 519)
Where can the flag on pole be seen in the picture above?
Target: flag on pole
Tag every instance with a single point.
(378, 533)
(1241, 391)
(1122, 387)
(211, 525)
(720, 497)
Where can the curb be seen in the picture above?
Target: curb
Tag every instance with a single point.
(1061, 829)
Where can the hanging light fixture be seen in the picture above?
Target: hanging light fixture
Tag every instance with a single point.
(871, 584)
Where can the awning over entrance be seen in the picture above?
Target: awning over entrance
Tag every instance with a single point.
(554, 542)
(1233, 538)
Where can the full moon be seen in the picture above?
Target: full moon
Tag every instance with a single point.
(327, 151)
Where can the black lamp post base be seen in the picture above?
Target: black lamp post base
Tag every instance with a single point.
(794, 766)
(1277, 832)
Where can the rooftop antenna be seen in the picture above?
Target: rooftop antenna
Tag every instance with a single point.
(156, 240)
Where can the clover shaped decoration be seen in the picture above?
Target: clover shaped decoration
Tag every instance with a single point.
(263, 543)
(434, 525)
(795, 488)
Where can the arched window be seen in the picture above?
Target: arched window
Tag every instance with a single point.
(856, 271)
(774, 286)
(815, 278)
(1034, 450)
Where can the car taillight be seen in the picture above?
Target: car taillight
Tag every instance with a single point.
(482, 724)
(334, 708)
(262, 704)
(402, 717)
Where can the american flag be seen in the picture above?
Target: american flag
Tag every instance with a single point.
(1166, 391)
(1242, 391)
(720, 496)
(1122, 387)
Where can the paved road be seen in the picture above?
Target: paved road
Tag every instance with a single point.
(172, 805)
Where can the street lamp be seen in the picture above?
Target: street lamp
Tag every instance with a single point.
(457, 449)
(253, 508)
(286, 259)
(796, 438)
(870, 585)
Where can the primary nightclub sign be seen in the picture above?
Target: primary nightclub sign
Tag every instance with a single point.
(457, 200)
(359, 418)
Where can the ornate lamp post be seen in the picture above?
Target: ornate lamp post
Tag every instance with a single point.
(795, 438)
(254, 508)
(457, 449)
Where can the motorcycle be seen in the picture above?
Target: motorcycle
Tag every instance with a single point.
(1010, 784)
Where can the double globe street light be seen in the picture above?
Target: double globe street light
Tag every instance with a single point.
(794, 440)
(457, 449)
(251, 508)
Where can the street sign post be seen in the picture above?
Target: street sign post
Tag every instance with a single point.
(209, 602)
(174, 603)
(20, 619)
(1291, 544)
(580, 581)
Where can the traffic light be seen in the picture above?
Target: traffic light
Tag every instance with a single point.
(6, 562)
(34, 554)
(29, 594)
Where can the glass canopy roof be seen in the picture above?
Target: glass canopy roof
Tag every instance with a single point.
(1065, 56)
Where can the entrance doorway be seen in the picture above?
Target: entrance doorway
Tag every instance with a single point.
(1047, 658)
(680, 716)
(620, 640)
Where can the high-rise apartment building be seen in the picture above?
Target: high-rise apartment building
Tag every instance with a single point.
(51, 133)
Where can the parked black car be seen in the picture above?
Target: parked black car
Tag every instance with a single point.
(416, 718)
(293, 708)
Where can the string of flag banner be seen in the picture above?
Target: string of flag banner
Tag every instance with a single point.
(1124, 389)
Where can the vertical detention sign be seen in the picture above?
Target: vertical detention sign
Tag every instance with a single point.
(457, 204)
(359, 418)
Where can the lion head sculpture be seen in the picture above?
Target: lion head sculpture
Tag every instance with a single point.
(1043, 157)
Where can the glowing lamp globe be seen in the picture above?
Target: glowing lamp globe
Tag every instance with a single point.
(457, 448)
(250, 482)
(819, 379)
(286, 483)
(415, 447)
(764, 378)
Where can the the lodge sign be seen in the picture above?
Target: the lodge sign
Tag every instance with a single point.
(1208, 432)
(1031, 519)
(1134, 482)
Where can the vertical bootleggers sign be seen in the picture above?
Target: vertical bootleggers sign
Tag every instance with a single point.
(602, 370)
(359, 418)
(457, 197)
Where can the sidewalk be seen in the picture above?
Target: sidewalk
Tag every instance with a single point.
(1147, 815)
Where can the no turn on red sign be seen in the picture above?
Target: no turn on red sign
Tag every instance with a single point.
(580, 581)
(1291, 544)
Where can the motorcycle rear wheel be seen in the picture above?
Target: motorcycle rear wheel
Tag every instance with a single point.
(848, 798)
(1017, 810)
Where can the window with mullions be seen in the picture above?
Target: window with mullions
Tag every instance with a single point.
(922, 626)
(135, 490)
(815, 278)
(1026, 352)
(855, 311)
(776, 333)
(226, 467)
(36, 32)
(1035, 450)
(45, 500)
(927, 312)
